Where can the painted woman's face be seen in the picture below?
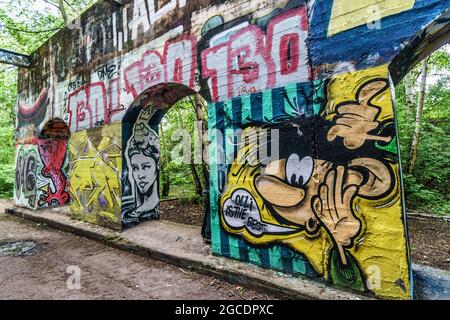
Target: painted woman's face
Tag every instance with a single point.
(144, 171)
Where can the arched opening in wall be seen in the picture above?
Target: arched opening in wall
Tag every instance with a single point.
(53, 167)
(421, 76)
(165, 175)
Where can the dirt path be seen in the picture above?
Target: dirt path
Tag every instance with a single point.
(430, 242)
(106, 273)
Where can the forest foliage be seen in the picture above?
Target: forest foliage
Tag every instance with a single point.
(24, 27)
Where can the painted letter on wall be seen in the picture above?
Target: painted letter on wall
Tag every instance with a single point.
(95, 168)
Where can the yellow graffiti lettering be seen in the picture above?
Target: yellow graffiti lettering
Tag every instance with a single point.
(95, 186)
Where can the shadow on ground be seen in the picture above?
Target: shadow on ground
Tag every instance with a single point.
(431, 283)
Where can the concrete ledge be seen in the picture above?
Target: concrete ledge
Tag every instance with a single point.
(422, 215)
(182, 246)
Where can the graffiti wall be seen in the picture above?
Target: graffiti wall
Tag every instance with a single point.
(304, 163)
(25, 193)
(95, 167)
(53, 189)
(333, 191)
(42, 168)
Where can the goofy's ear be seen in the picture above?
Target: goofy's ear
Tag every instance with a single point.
(374, 178)
(277, 192)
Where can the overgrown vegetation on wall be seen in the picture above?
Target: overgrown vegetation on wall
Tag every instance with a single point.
(178, 179)
(8, 89)
(23, 28)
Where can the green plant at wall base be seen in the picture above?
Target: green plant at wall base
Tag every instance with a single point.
(346, 276)
(6, 181)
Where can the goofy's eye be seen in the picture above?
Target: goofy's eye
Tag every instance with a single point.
(299, 171)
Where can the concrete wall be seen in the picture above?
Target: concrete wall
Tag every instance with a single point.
(313, 76)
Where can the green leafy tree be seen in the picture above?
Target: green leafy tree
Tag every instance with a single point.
(427, 184)
(187, 178)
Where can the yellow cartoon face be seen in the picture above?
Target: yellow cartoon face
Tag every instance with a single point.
(313, 183)
(297, 180)
(314, 193)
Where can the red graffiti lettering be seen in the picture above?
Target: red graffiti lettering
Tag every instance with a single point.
(177, 65)
(114, 105)
(256, 62)
(289, 45)
(246, 62)
(133, 79)
(152, 70)
(286, 45)
(180, 60)
(87, 107)
(213, 69)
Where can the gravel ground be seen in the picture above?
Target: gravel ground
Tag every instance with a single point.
(42, 262)
(38, 268)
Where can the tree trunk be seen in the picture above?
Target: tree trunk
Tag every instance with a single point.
(195, 177)
(197, 181)
(163, 163)
(202, 127)
(63, 12)
(419, 111)
(409, 94)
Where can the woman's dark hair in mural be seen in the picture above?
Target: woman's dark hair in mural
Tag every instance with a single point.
(142, 155)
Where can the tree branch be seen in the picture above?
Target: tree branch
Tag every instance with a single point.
(32, 31)
(51, 3)
(68, 3)
(63, 12)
